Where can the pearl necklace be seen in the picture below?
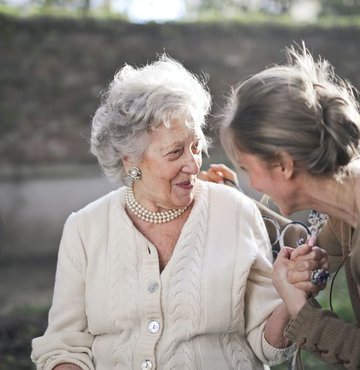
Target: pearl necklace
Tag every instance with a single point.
(154, 217)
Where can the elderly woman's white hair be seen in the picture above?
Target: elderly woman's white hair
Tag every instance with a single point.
(138, 101)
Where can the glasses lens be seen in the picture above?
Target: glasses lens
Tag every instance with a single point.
(294, 234)
(273, 229)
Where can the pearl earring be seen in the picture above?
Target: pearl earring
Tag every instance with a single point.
(134, 173)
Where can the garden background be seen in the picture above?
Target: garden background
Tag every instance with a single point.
(55, 59)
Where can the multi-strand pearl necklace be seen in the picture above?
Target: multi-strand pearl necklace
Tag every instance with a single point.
(144, 214)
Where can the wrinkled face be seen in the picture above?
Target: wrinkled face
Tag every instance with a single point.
(170, 167)
(268, 178)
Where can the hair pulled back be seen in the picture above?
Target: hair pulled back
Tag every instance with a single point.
(302, 108)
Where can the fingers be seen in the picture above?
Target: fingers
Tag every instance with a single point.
(211, 176)
(286, 252)
(224, 171)
(281, 266)
(302, 250)
(301, 280)
(310, 264)
(216, 176)
(306, 252)
(312, 241)
(304, 260)
(203, 176)
(217, 173)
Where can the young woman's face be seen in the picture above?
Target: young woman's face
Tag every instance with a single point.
(269, 178)
(170, 167)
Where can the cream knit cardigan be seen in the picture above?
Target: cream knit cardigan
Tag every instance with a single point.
(211, 300)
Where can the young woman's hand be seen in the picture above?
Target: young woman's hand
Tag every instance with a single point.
(307, 259)
(293, 297)
(292, 274)
(218, 173)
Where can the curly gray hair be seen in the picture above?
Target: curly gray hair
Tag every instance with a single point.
(139, 100)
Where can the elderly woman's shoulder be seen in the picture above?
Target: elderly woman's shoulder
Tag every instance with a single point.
(235, 196)
(100, 206)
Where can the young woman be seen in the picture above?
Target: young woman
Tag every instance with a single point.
(295, 129)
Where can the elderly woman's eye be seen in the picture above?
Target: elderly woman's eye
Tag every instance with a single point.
(176, 152)
(196, 146)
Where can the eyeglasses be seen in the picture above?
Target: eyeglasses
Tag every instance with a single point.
(300, 229)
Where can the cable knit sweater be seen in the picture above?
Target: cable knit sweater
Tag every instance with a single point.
(113, 309)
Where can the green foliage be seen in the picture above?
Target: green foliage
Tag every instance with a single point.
(340, 7)
(234, 8)
(62, 9)
(17, 329)
(259, 18)
(334, 13)
(10, 10)
(57, 12)
(212, 16)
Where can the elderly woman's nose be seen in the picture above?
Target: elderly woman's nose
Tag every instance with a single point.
(192, 164)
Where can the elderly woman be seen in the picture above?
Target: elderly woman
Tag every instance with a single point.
(145, 278)
(295, 129)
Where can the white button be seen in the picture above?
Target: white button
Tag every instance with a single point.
(153, 287)
(154, 326)
(146, 364)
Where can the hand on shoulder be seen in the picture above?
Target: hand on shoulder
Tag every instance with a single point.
(219, 173)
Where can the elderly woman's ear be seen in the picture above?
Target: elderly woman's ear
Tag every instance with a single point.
(126, 160)
(128, 163)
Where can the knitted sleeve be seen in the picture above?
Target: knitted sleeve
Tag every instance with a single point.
(67, 339)
(327, 336)
(262, 298)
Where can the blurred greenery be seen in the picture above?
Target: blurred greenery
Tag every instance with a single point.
(59, 12)
(17, 329)
(327, 21)
(326, 12)
(325, 7)
(211, 16)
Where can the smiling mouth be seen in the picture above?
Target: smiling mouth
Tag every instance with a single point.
(186, 184)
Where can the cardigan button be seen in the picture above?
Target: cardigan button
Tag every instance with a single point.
(153, 287)
(146, 364)
(154, 326)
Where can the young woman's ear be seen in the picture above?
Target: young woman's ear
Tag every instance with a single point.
(287, 165)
